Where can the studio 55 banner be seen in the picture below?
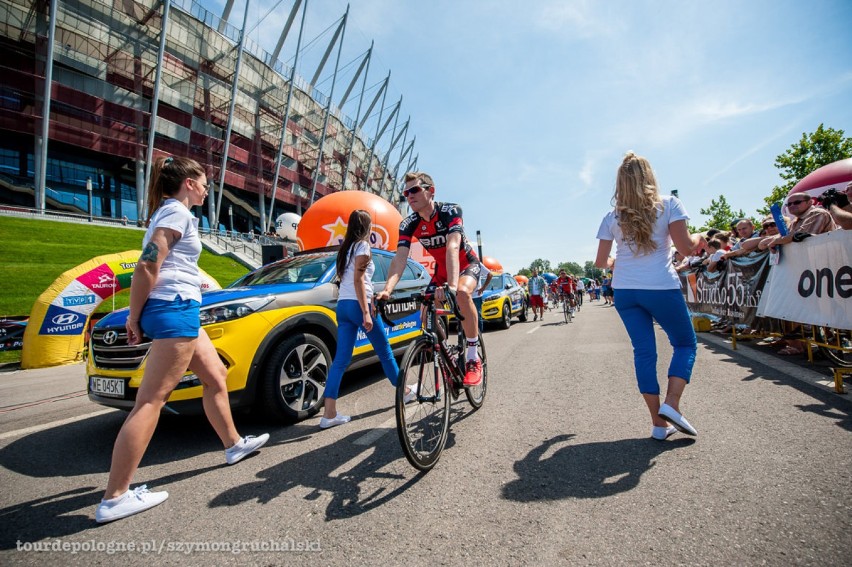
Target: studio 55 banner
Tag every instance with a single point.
(812, 283)
(732, 292)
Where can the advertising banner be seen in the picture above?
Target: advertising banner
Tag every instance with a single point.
(732, 292)
(12, 333)
(812, 282)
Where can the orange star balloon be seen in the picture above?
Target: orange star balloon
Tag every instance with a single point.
(324, 224)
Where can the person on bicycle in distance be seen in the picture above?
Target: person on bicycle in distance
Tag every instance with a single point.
(439, 228)
(565, 287)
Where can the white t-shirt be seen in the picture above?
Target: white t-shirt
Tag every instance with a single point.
(645, 271)
(179, 275)
(717, 255)
(347, 282)
(483, 275)
(581, 285)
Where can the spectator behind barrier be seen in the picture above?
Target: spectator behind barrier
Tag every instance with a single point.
(837, 204)
(809, 220)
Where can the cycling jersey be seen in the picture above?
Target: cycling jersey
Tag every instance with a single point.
(433, 233)
(566, 285)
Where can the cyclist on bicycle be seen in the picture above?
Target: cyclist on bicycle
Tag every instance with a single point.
(565, 287)
(581, 289)
(439, 228)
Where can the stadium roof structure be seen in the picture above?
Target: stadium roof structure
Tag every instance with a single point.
(126, 81)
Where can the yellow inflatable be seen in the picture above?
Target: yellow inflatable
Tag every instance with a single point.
(56, 331)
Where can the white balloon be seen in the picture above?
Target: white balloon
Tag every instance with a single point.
(286, 225)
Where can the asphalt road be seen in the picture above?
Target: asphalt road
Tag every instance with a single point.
(557, 468)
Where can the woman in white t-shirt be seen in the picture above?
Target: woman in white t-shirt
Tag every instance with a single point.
(165, 299)
(355, 311)
(644, 224)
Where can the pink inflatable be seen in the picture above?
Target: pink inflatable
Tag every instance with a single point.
(832, 176)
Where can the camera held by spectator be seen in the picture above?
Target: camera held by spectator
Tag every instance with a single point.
(833, 197)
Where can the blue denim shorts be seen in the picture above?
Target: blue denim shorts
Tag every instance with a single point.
(163, 319)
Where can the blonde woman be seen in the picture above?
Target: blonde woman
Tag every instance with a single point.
(644, 224)
(165, 298)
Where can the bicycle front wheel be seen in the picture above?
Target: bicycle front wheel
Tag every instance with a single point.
(565, 312)
(476, 394)
(423, 423)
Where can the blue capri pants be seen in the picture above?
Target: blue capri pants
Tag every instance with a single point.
(638, 309)
(349, 321)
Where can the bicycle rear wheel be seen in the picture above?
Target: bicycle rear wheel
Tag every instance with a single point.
(422, 425)
(476, 394)
(842, 339)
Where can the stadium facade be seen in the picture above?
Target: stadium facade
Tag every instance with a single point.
(213, 81)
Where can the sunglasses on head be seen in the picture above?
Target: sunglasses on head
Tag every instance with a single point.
(413, 190)
(797, 202)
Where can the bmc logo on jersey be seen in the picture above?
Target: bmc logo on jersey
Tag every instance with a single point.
(433, 241)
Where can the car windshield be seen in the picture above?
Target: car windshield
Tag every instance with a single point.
(496, 283)
(298, 269)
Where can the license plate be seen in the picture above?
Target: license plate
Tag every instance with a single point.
(111, 387)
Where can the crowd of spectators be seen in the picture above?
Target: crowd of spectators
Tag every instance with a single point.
(809, 216)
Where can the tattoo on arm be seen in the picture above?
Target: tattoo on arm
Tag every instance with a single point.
(149, 254)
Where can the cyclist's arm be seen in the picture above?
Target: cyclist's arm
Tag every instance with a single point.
(453, 245)
(396, 268)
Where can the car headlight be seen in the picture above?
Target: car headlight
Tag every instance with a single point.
(488, 300)
(221, 312)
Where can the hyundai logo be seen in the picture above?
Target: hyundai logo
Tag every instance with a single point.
(110, 337)
(65, 319)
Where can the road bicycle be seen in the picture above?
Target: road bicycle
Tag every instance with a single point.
(567, 309)
(435, 369)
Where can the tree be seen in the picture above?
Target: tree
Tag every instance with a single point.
(541, 265)
(813, 151)
(591, 271)
(721, 215)
(572, 268)
(524, 272)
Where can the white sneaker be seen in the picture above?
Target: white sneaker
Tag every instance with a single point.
(662, 433)
(411, 395)
(129, 503)
(339, 419)
(668, 413)
(245, 447)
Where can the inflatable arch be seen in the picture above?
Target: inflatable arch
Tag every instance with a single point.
(56, 331)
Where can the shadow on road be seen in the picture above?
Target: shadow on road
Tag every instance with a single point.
(325, 471)
(591, 470)
(826, 403)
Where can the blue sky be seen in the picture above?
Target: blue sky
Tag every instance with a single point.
(524, 109)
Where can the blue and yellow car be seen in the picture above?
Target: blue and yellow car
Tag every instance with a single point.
(275, 330)
(503, 299)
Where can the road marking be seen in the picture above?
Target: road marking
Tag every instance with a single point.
(533, 330)
(52, 424)
(377, 433)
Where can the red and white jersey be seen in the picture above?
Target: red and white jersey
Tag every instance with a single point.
(433, 233)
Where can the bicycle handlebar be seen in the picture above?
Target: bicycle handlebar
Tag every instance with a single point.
(423, 298)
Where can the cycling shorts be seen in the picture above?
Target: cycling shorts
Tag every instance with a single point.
(474, 269)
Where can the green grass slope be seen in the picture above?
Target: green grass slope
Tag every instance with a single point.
(33, 253)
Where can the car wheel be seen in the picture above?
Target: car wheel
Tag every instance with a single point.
(294, 378)
(523, 315)
(506, 319)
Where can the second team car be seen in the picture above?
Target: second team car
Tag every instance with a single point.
(503, 299)
(275, 330)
